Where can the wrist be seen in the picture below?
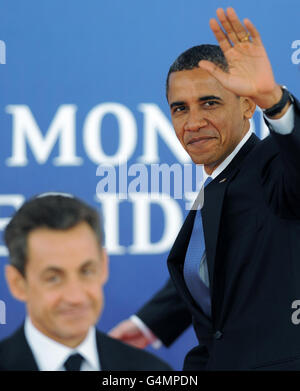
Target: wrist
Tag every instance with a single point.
(280, 107)
(269, 100)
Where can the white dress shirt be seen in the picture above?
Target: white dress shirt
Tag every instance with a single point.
(51, 355)
(284, 126)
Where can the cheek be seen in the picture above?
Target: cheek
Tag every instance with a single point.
(98, 296)
(178, 127)
(180, 137)
(45, 295)
(44, 304)
(95, 292)
(221, 126)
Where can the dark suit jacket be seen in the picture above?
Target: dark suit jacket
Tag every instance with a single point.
(251, 220)
(15, 354)
(166, 314)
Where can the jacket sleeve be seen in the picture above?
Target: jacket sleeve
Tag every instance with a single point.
(281, 174)
(166, 314)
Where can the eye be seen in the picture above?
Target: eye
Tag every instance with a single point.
(177, 109)
(210, 103)
(53, 279)
(88, 271)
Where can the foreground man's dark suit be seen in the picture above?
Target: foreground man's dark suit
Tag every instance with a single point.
(166, 314)
(16, 355)
(251, 219)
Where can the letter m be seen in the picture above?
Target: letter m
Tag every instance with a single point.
(27, 132)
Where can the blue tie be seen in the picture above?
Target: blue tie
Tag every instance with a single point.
(195, 255)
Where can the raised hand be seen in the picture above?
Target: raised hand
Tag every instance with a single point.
(250, 73)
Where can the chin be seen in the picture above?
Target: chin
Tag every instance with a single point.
(75, 333)
(203, 161)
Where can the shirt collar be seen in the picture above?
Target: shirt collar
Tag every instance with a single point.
(51, 355)
(229, 158)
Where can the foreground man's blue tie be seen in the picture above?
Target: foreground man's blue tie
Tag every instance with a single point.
(195, 256)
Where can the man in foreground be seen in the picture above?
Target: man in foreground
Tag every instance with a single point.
(235, 262)
(58, 268)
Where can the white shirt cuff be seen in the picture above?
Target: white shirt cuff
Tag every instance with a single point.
(285, 124)
(155, 342)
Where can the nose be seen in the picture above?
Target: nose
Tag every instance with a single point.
(194, 121)
(74, 292)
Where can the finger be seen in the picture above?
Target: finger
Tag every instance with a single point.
(121, 330)
(139, 341)
(220, 35)
(215, 71)
(227, 26)
(116, 333)
(236, 24)
(253, 31)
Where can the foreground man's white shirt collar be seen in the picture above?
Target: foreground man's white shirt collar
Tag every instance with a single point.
(51, 355)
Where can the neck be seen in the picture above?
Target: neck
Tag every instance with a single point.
(71, 342)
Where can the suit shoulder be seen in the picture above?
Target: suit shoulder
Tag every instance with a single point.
(15, 353)
(7, 346)
(6, 343)
(116, 355)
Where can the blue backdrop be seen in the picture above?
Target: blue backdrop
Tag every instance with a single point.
(83, 84)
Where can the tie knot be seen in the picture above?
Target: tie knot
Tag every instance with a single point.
(73, 363)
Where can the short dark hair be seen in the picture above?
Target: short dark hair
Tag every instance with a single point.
(190, 58)
(59, 212)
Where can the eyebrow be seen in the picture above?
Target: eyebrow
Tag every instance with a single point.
(201, 99)
(55, 269)
(51, 269)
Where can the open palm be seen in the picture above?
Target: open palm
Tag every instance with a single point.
(250, 72)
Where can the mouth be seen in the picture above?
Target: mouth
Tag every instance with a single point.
(75, 312)
(198, 141)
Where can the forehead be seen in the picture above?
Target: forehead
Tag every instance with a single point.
(192, 84)
(62, 248)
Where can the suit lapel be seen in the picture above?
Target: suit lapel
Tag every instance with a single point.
(213, 205)
(211, 214)
(175, 264)
(110, 356)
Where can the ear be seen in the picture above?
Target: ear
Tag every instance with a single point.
(105, 268)
(248, 107)
(16, 282)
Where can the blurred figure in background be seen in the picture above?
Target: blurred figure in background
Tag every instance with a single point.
(58, 267)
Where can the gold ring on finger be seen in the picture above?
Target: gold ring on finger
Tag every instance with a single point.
(245, 38)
